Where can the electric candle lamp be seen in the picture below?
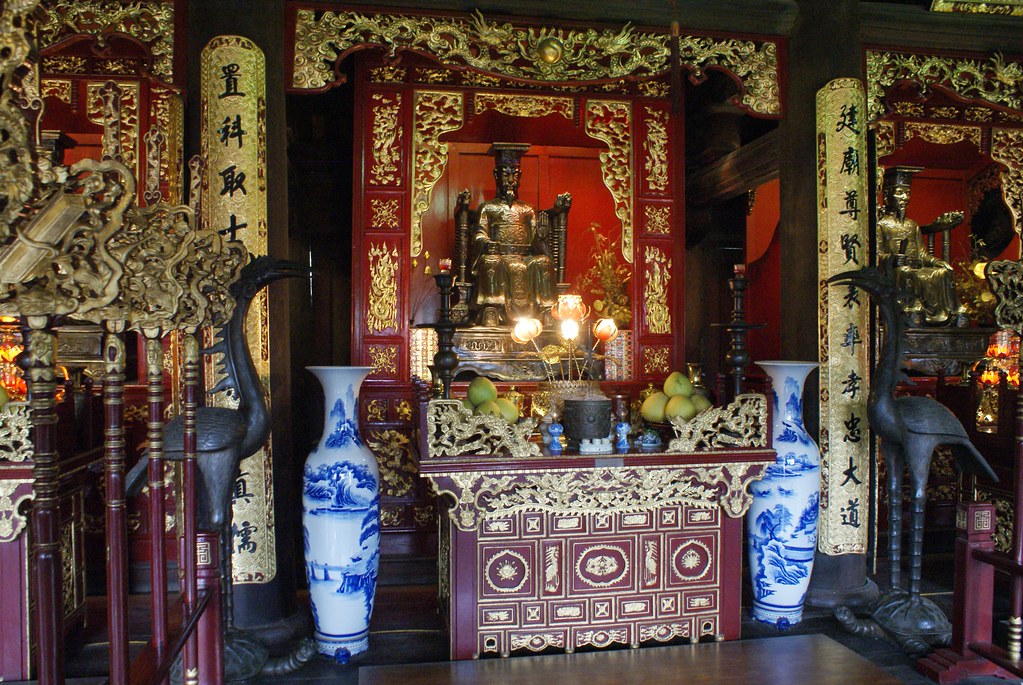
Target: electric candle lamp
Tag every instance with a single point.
(570, 329)
(444, 265)
(604, 330)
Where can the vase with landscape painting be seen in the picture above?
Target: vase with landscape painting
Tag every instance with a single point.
(341, 519)
(781, 524)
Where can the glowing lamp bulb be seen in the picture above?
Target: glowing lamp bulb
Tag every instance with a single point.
(523, 331)
(569, 329)
(605, 330)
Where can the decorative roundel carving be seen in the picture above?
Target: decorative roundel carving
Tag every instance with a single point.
(506, 571)
(691, 560)
(602, 565)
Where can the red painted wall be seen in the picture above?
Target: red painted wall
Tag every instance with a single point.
(763, 268)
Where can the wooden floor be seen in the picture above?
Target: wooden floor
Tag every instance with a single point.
(792, 660)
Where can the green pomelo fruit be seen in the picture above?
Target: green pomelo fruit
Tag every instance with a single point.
(481, 390)
(468, 404)
(680, 406)
(489, 407)
(508, 409)
(701, 403)
(677, 384)
(653, 407)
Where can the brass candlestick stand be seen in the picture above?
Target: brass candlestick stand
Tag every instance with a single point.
(737, 357)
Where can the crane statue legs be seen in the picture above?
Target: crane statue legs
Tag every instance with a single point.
(910, 429)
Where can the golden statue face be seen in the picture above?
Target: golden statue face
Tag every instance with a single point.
(897, 197)
(507, 181)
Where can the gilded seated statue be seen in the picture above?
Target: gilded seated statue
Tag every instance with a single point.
(926, 288)
(510, 257)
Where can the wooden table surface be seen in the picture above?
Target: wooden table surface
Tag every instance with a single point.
(789, 660)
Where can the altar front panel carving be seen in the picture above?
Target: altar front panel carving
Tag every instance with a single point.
(578, 552)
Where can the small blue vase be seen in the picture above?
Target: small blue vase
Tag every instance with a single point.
(341, 519)
(781, 525)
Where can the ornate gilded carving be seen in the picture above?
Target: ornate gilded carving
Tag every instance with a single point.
(1004, 7)
(387, 134)
(1006, 280)
(383, 288)
(384, 360)
(455, 431)
(114, 105)
(489, 46)
(376, 410)
(483, 497)
(433, 76)
(15, 437)
(942, 134)
(756, 64)
(397, 466)
(657, 219)
(64, 64)
(654, 89)
(536, 642)
(657, 276)
(943, 112)
(993, 79)
(56, 88)
(385, 213)
(434, 113)
(60, 261)
(149, 22)
(154, 140)
(741, 424)
(908, 109)
(390, 517)
(527, 53)
(12, 522)
(524, 105)
(387, 74)
(655, 148)
(610, 121)
(166, 108)
(403, 410)
(1007, 148)
(979, 114)
(656, 359)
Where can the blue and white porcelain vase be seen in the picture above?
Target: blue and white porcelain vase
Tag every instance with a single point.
(341, 519)
(781, 525)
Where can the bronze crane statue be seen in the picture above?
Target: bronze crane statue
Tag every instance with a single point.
(910, 429)
(224, 438)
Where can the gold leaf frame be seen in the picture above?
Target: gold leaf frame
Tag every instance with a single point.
(434, 113)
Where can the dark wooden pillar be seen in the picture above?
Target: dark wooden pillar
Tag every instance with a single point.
(268, 607)
(824, 45)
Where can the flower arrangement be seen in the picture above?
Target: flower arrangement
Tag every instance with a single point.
(572, 313)
(607, 279)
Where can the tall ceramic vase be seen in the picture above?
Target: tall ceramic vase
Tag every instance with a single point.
(341, 519)
(781, 525)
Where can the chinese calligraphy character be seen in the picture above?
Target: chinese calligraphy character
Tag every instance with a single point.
(850, 473)
(852, 338)
(851, 298)
(229, 72)
(848, 120)
(852, 205)
(850, 162)
(241, 486)
(233, 181)
(232, 129)
(232, 231)
(850, 244)
(852, 384)
(243, 537)
(852, 425)
(851, 513)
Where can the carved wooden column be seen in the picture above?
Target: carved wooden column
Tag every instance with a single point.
(46, 586)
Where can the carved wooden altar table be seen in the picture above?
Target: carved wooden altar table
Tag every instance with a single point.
(569, 551)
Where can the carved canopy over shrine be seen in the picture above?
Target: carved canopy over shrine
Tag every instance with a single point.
(531, 55)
